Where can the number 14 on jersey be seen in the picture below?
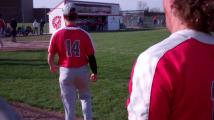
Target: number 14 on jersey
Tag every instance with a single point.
(72, 48)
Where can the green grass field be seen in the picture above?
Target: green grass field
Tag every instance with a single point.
(25, 76)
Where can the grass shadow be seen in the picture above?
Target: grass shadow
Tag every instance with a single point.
(33, 62)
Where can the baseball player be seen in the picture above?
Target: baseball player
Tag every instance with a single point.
(2, 26)
(174, 79)
(75, 50)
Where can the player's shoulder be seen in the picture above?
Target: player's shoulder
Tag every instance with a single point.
(83, 32)
(57, 31)
(77, 29)
(180, 39)
(155, 52)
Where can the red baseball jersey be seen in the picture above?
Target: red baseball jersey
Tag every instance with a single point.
(173, 79)
(73, 46)
(2, 23)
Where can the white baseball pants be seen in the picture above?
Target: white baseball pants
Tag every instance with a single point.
(74, 83)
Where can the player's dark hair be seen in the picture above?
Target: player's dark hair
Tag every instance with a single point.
(72, 16)
(197, 14)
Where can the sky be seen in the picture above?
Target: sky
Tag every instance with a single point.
(124, 4)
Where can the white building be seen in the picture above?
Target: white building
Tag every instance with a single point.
(92, 16)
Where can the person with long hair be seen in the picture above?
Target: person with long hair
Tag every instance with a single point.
(174, 79)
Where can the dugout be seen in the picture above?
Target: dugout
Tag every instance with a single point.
(92, 16)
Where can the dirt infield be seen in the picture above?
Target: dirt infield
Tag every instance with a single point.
(24, 45)
(28, 112)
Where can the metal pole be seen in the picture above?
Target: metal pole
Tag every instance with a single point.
(22, 7)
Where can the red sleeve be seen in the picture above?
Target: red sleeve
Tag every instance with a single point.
(162, 91)
(53, 46)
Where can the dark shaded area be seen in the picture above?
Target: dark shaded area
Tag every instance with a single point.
(34, 62)
(31, 113)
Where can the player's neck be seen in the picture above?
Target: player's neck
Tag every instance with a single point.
(69, 23)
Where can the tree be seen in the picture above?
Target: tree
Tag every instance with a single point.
(142, 5)
(155, 9)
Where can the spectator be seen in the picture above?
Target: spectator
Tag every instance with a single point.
(35, 27)
(141, 21)
(13, 24)
(42, 24)
(28, 30)
(2, 29)
(100, 24)
(8, 29)
(174, 79)
(20, 30)
(155, 20)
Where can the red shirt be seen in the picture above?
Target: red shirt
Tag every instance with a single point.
(2, 23)
(173, 79)
(73, 46)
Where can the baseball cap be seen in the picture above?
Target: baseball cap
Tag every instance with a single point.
(68, 9)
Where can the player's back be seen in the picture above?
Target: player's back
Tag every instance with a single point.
(190, 73)
(73, 46)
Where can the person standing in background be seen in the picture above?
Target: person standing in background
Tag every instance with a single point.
(13, 24)
(42, 24)
(35, 27)
(2, 29)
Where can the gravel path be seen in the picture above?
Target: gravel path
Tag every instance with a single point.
(28, 112)
(25, 45)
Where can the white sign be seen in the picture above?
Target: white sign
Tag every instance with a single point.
(113, 22)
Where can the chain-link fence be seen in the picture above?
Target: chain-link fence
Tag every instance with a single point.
(141, 19)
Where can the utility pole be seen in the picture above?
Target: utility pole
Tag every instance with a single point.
(22, 11)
